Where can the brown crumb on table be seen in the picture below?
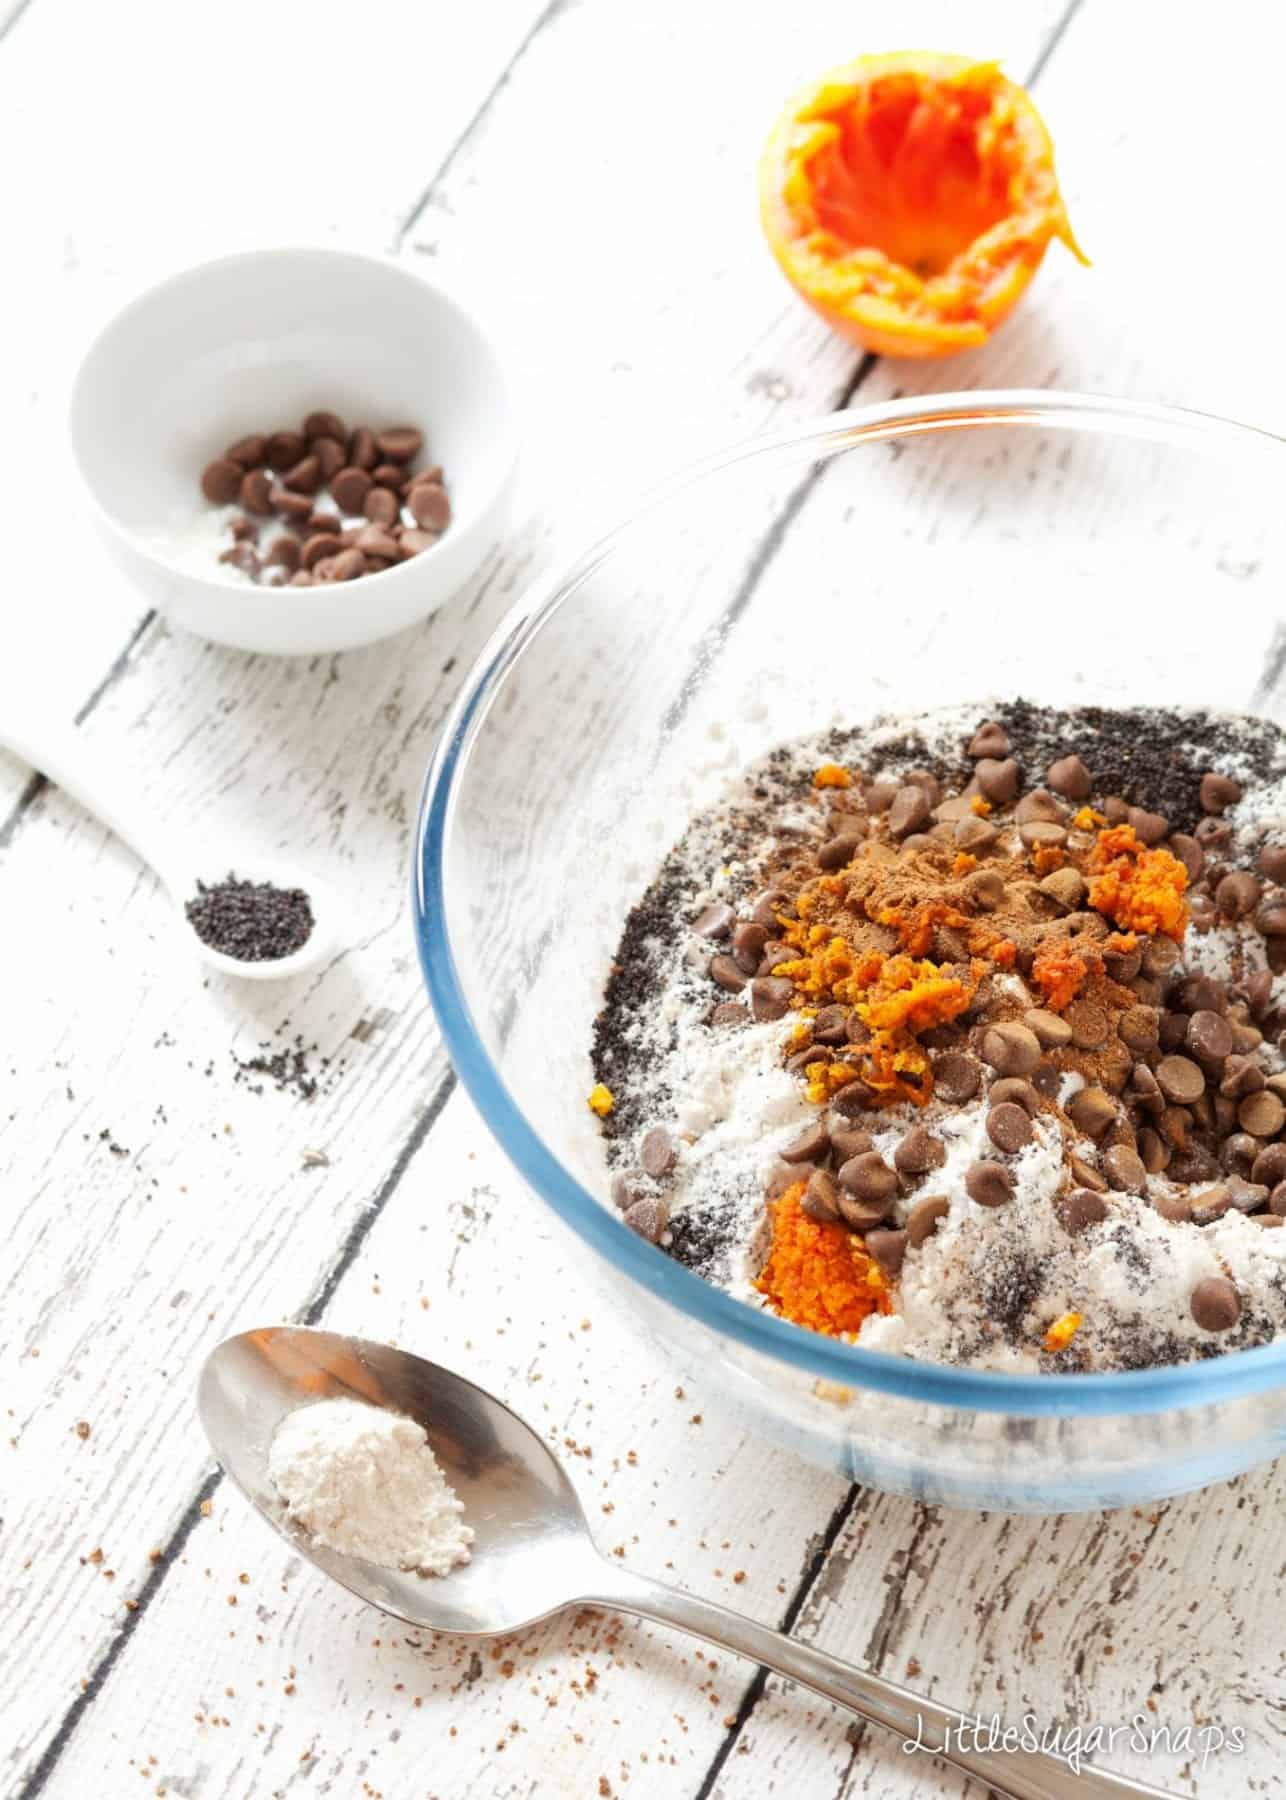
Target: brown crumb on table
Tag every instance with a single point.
(82, 1428)
(913, 1667)
(207, 1507)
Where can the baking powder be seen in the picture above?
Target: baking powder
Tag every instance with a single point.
(364, 1481)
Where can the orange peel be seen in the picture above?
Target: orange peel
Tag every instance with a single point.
(909, 198)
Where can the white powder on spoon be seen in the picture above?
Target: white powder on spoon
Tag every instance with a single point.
(363, 1481)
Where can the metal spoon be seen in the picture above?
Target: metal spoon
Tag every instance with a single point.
(532, 1552)
(63, 756)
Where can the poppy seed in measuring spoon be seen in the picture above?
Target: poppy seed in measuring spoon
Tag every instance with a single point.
(255, 918)
(262, 921)
(251, 921)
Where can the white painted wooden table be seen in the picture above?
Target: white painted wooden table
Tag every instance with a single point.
(586, 169)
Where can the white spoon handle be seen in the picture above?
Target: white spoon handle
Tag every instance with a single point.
(62, 755)
(1022, 1774)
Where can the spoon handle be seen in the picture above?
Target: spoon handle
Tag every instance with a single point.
(61, 754)
(1024, 1774)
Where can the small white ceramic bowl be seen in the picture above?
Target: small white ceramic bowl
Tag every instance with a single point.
(254, 342)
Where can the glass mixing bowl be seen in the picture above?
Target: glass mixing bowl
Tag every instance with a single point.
(1063, 548)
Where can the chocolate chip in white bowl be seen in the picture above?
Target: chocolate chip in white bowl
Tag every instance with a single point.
(221, 481)
(284, 449)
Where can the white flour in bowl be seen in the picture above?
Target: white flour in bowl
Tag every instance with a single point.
(364, 1481)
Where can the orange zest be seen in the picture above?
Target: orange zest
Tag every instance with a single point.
(1141, 890)
(1059, 975)
(895, 997)
(831, 775)
(910, 198)
(1061, 1332)
(819, 1275)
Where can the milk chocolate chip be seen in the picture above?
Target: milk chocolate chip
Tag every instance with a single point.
(989, 1183)
(1011, 1049)
(1215, 1304)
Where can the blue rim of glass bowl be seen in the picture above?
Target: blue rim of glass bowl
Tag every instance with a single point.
(1224, 1377)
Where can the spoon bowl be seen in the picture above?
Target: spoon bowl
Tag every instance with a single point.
(532, 1554)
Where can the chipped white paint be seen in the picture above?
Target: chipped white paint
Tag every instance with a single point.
(645, 322)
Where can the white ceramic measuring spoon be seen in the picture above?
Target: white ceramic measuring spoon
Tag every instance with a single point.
(180, 859)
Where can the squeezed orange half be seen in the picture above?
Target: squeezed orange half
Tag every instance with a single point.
(910, 198)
